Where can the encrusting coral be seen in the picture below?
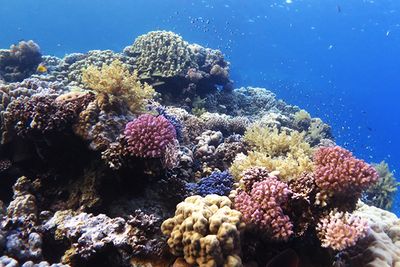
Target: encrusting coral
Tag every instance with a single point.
(115, 80)
(205, 231)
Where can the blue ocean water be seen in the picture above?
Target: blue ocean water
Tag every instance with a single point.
(337, 59)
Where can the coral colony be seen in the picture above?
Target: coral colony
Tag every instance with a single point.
(150, 157)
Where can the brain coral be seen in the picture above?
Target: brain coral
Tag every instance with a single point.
(149, 135)
(206, 231)
(338, 171)
(161, 53)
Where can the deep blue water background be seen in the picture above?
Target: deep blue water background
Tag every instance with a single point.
(339, 59)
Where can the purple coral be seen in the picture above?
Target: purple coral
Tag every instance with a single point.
(262, 207)
(149, 135)
(219, 183)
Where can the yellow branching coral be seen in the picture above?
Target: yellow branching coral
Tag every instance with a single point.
(289, 167)
(287, 153)
(115, 80)
(274, 143)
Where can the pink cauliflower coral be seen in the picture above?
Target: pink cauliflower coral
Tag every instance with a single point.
(149, 135)
(262, 207)
(341, 230)
(338, 171)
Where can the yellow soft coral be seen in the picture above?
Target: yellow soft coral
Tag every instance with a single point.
(289, 167)
(115, 80)
(277, 151)
(274, 143)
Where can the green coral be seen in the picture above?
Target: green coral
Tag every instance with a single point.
(382, 193)
(161, 54)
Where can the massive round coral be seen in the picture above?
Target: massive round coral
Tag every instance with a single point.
(205, 231)
(338, 171)
(148, 136)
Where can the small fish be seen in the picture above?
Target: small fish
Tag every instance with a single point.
(339, 9)
(41, 68)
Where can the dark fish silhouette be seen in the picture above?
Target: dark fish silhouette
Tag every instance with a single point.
(287, 258)
(339, 9)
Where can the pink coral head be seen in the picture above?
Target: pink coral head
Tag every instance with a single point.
(262, 207)
(340, 230)
(148, 136)
(338, 171)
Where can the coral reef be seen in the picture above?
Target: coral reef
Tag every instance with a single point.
(149, 157)
(205, 231)
(287, 153)
(380, 247)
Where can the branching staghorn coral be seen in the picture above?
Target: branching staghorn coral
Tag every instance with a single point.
(115, 80)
